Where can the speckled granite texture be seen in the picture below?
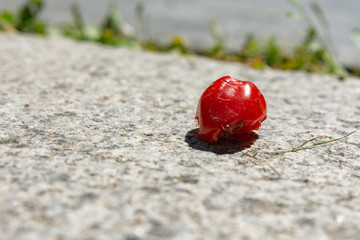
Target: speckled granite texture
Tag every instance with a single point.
(98, 143)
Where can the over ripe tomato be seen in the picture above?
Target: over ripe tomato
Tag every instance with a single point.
(230, 107)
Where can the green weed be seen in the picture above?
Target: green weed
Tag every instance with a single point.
(109, 32)
(26, 19)
(218, 48)
(77, 28)
(317, 46)
(315, 53)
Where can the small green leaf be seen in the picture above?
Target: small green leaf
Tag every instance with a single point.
(293, 2)
(355, 36)
(294, 15)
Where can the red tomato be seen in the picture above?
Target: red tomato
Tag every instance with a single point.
(230, 107)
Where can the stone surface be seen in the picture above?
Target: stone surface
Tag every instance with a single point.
(100, 143)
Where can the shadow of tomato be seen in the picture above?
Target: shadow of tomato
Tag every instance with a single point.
(223, 146)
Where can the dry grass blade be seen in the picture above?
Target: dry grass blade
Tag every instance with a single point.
(303, 145)
(263, 161)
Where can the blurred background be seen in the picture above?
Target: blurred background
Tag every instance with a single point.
(235, 18)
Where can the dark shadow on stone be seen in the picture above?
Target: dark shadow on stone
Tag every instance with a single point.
(223, 146)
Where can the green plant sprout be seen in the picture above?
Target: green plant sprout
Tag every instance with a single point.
(218, 48)
(355, 35)
(26, 19)
(76, 30)
(141, 31)
(111, 30)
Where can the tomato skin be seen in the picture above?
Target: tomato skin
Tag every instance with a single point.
(230, 107)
